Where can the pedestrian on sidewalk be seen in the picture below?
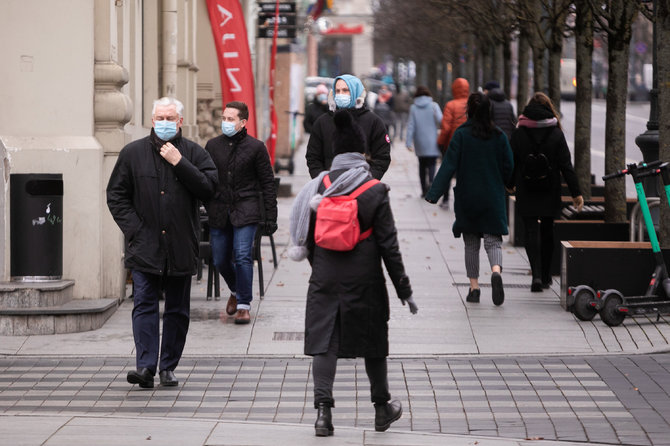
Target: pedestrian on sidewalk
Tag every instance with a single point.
(541, 156)
(316, 108)
(481, 157)
(455, 114)
(245, 202)
(503, 110)
(384, 109)
(349, 95)
(424, 121)
(401, 106)
(153, 194)
(347, 309)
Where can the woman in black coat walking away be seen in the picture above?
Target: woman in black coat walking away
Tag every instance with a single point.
(347, 302)
(541, 156)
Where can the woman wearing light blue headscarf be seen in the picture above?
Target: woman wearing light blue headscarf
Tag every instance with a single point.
(348, 93)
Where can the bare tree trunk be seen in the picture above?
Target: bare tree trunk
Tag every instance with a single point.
(507, 66)
(555, 76)
(522, 86)
(663, 73)
(584, 50)
(538, 68)
(615, 128)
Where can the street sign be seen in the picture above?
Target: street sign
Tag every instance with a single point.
(286, 20)
(269, 7)
(281, 32)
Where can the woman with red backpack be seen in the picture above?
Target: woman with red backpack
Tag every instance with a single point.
(347, 309)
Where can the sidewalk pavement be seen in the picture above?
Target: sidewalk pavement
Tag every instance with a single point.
(524, 372)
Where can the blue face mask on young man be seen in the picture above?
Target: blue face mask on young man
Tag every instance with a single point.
(228, 128)
(165, 130)
(343, 100)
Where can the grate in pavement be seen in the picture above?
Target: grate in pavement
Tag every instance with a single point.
(488, 285)
(288, 336)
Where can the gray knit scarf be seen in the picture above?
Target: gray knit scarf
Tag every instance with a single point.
(308, 198)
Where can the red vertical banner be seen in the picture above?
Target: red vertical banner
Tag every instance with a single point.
(232, 50)
(271, 143)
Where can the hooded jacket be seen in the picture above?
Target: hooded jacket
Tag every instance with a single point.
(455, 111)
(503, 112)
(156, 205)
(319, 154)
(424, 120)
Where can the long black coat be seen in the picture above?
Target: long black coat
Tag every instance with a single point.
(555, 148)
(320, 155)
(244, 170)
(352, 283)
(156, 204)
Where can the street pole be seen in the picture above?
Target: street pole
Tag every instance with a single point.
(648, 141)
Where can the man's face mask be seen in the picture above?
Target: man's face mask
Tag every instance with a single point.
(165, 130)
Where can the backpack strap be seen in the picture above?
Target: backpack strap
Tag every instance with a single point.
(363, 187)
(326, 181)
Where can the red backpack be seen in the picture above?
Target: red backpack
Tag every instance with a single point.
(337, 226)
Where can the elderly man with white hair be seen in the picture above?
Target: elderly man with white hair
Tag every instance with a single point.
(153, 194)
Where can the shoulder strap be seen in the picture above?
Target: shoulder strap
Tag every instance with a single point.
(326, 181)
(363, 187)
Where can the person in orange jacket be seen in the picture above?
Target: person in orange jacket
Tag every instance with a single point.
(454, 114)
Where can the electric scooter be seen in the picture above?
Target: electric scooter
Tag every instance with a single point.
(611, 304)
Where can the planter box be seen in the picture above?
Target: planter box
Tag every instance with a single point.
(585, 230)
(625, 266)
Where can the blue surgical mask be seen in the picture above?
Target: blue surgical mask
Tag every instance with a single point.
(228, 128)
(322, 97)
(165, 130)
(343, 100)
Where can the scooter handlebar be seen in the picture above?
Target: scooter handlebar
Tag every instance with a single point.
(623, 172)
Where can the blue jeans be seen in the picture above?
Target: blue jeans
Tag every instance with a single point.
(146, 291)
(232, 254)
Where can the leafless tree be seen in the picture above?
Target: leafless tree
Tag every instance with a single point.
(615, 17)
(662, 17)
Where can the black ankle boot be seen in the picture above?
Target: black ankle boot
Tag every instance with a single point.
(385, 414)
(324, 421)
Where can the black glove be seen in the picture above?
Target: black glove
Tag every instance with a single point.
(269, 227)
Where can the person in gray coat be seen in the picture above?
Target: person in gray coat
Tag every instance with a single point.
(424, 121)
(503, 111)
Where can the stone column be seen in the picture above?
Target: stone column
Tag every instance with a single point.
(112, 110)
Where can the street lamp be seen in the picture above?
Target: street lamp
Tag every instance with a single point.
(648, 141)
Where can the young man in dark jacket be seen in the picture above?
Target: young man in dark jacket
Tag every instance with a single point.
(153, 195)
(503, 111)
(349, 95)
(245, 198)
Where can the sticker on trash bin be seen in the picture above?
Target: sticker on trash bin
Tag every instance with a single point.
(51, 218)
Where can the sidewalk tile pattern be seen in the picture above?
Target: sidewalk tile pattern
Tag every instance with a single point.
(597, 399)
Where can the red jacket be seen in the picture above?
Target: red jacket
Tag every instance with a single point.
(455, 111)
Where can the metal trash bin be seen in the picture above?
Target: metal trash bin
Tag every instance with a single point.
(36, 226)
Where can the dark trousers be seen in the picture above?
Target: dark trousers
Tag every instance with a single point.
(539, 244)
(146, 291)
(324, 367)
(426, 172)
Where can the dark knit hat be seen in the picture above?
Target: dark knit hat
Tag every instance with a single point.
(348, 135)
(490, 85)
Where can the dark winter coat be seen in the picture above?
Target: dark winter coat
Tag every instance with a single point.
(156, 204)
(351, 284)
(244, 170)
(503, 112)
(314, 110)
(483, 168)
(320, 155)
(552, 143)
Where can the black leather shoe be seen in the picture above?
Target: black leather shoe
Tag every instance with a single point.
(168, 379)
(324, 421)
(143, 377)
(385, 414)
(536, 285)
(473, 295)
